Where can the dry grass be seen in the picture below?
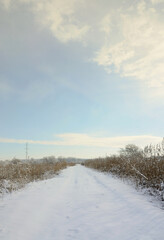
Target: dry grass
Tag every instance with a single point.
(145, 172)
(16, 174)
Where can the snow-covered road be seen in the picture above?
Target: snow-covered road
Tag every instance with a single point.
(79, 204)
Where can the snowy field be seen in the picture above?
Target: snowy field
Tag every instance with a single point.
(79, 204)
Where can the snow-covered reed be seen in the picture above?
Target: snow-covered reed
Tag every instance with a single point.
(144, 167)
(15, 174)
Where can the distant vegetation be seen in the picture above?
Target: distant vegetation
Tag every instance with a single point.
(16, 173)
(144, 167)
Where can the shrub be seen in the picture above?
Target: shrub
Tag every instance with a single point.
(144, 167)
(16, 174)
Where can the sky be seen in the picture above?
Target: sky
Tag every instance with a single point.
(80, 78)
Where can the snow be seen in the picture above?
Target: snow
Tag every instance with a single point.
(80, 204)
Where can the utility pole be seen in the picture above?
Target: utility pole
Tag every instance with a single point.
(26, 151)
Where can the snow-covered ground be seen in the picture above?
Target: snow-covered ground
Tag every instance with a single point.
(79, 204)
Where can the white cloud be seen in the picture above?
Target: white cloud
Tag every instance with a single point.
(128, 38)
(106, 24)
(6, 3)
(57, 16)
(76, 139)
(157, 1)
(135, 46)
